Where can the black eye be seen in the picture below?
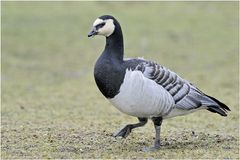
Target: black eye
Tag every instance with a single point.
(100, 25)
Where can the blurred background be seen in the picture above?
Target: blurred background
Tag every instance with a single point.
(51, 107)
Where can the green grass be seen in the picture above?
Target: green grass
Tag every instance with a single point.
(51, 107)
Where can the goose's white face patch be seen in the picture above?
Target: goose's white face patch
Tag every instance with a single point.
(107, 29)
(97, 21)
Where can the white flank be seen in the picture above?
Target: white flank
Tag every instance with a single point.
(180, 112)
(142, 97)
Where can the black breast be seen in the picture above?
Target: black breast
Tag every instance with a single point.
(109, 74)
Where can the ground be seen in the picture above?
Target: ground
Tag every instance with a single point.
(51, 107)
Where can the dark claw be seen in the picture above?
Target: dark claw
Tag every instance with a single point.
(123, 132)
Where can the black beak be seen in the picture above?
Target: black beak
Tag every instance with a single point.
(93, 32)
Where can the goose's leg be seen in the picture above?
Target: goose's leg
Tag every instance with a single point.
(157, 124)
(124, 132)
(157, 121)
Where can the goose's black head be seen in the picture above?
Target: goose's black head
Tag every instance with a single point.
(105, 25)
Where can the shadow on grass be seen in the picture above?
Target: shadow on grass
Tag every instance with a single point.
(186, 140)
(198, 140)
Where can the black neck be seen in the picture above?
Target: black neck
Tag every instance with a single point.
(114, 44)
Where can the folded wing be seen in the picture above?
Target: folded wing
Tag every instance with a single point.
(185, 95)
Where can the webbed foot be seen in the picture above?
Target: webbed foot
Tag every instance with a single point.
(156, 147)
(123, 132)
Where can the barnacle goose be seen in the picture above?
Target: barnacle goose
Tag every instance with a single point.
(141, 88)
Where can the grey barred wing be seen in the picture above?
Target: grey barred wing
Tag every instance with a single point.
(185, 95)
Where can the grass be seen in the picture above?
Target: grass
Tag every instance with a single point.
(51, 107)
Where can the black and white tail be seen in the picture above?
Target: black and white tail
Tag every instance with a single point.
(221, 108)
